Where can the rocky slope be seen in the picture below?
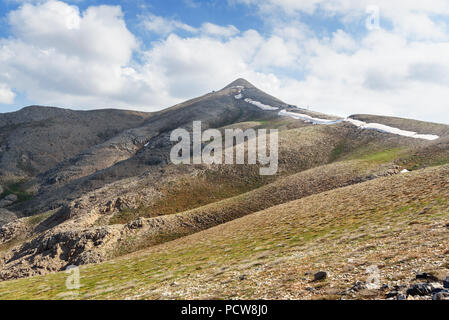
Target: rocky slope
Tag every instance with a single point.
(36, 139)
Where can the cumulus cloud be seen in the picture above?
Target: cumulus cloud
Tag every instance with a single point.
(350, 7)
(164, 26)
(215, 30)
(191, 66)
(61, 56)
(384, 74)
(6, 94)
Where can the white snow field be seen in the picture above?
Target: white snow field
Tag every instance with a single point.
(392, 130)
(360, 124)
(260, 105)
(307, 118)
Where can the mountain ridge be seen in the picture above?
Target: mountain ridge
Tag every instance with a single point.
(120, 193)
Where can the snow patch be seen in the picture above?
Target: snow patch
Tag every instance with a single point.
(240, 90)
(392, 130)
(404, 171)
(360, 124)
(307, 118)
(260, 105)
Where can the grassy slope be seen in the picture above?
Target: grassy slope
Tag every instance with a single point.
(300, 149)
(315, 145)
(197, 202)
(398, 223)
(296, 186)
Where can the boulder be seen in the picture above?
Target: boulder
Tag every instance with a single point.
(321, 275)
(242, 277)
(392, 294)
(421, 289)
(8, 200)
(11, 197)
(441, 295)
(6, 216)
(426, 276)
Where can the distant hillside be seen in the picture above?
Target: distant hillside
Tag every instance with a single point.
(35, 139)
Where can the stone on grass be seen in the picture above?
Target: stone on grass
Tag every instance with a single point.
(320, 275)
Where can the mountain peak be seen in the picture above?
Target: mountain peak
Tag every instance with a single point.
(240, 82)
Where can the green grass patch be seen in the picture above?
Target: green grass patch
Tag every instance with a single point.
(38, 218)
(383, 156)
(16, 189)
(338, 151)
(187, 194)
(416, 162)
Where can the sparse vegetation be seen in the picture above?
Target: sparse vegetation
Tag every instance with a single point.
(342, 231)
(377, 157)
(339, 204)
(186, 194)
(16, 189)
(38, 218)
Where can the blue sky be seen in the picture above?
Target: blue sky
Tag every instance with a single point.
(148, 55)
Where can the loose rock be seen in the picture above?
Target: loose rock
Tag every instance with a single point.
(421, 289)
(321, 275)
(358, 285)
(8, 200)
(392, 294)
(446, 283)
(426, 276)
(442, 295)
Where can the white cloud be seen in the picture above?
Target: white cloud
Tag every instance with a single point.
(190, 66)
(420, 27)
(277, 52)
(192, 3)
(100, 33)
(342, 41)
(164, 26)
(389, 8)
(6, 94)
(384, 75)
(61, 56)
(215, 30)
